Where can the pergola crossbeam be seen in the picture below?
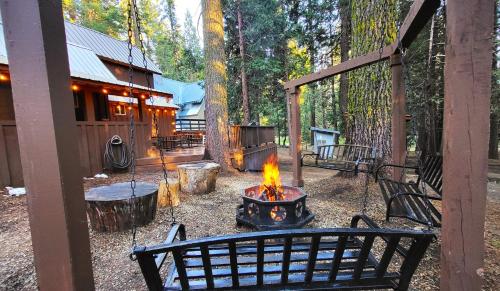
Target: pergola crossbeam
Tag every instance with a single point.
(420, 13)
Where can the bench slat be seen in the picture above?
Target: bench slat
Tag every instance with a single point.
(337, 259)
(233, 259)
(285, 265)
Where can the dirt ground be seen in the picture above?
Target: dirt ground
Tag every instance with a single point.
(334, 200)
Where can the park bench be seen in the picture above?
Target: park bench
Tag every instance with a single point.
(346, 158)
(406, 199)
(297, 259)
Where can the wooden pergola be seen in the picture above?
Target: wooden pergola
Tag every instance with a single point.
(36, 45)
(466, 126)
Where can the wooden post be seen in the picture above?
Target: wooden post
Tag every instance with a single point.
(295, 135)
(398, 123)
(467, 106)
(43, 105)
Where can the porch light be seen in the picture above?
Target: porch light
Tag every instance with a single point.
(149, 109)
(104, 91)
(173, 112)
(173, 122)
(157, 110)
(143, 96)
(125, 93)
(74, 87)
(130, 108)
(165, 110)
(3, 77)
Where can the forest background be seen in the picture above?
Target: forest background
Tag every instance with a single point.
(268, 42)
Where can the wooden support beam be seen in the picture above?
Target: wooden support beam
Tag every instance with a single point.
(469, 27)
(398, 121)
(343, 67)
(421, 11)
(43, 104)
(295, 136)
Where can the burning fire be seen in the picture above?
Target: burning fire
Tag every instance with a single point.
(271, 188)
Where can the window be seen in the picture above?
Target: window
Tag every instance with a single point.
(101, 107)
(79, 102)
(120, 109)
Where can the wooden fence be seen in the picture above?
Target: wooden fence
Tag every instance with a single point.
(248, 136)
(91, 137)
(251, 146)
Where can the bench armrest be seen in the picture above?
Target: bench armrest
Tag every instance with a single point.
(392, 166)
(367, 220)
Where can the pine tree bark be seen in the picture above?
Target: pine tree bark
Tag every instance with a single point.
(493, 143)
(345, 46)
(244, 84)
(312, 57)
(215, 84)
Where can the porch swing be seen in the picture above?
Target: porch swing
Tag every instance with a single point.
(298, 259)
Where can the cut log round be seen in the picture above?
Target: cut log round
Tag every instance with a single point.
(109, 208)
(199, 178)
(173, 186)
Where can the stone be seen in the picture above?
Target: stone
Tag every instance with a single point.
(198, 178)
(173, 186)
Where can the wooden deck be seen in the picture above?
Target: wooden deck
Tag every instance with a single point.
(172, 158)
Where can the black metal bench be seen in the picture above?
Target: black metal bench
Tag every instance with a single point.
(298, 259)
(406, 200)
(346, 157)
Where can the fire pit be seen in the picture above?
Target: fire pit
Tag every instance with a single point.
(272, 205)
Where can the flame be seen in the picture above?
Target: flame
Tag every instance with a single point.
(271, 184)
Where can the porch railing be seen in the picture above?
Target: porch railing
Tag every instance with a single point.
(190, 125)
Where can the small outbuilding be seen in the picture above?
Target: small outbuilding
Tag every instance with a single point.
(324, 136)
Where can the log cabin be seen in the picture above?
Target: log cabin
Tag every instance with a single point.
(99, 82)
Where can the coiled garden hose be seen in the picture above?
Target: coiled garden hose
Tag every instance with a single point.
(117, 159)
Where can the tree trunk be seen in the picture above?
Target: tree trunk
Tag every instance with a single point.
(215, 84)
(244, 85)
(493, 144)
(312, 55)
(345, 46)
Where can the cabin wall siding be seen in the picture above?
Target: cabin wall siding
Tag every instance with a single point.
(92, 137)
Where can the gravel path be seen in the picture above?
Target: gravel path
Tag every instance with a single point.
(334, 200)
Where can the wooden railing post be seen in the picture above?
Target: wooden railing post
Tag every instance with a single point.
(398, 122)
(469, 27)
(295, 135)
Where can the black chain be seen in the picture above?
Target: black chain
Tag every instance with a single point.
(406, 80)
(132, 129)
(155, 116)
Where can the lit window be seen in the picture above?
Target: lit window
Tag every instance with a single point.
(120, 110)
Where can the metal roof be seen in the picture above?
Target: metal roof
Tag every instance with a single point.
(183, 92)
(325, 130)
(160, 102)
(84, 63)
(106, 46)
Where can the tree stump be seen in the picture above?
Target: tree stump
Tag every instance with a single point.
(109, 208)
(199, 178)
(173, 186)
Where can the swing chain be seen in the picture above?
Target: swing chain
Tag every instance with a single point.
(132, 129)
(155, 116)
